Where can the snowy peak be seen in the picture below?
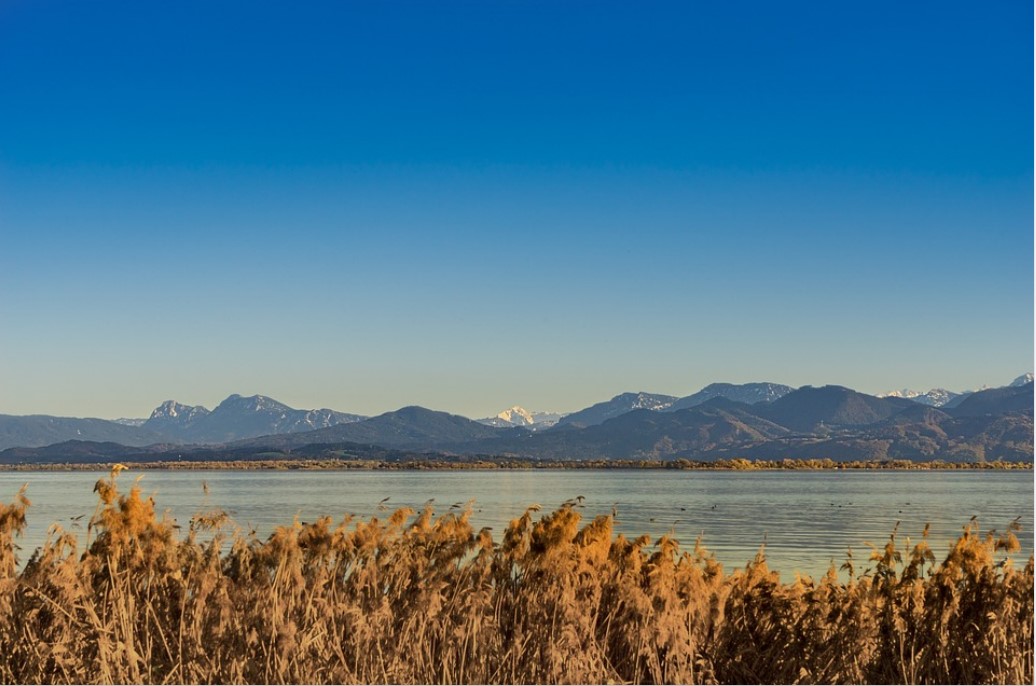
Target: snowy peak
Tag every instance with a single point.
(940, 397)
(130, 421)
(172, 410)
(517, 415)
(620, 404)
(173, 419)
(238, 417)
(318, 419)
(645, 401)
(251, 403)
(1022, 380)
(936, 397)
(748, 393)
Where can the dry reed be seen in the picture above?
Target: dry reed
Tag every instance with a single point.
(419, 598)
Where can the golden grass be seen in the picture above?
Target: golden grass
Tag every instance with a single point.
(419, 598)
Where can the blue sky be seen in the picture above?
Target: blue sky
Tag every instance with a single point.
(471, 205)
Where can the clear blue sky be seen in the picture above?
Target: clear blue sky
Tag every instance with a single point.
(471, 205)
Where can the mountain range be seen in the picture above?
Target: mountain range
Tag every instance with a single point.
(936, 397)
(940, 397)
(748, 393)
(722, 420)
(239, 417)
(235, 418)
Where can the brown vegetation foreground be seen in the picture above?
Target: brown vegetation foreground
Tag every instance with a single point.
(428, 599)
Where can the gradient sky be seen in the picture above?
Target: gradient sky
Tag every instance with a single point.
(470, 205)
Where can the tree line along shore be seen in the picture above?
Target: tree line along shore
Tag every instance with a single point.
(468, 463)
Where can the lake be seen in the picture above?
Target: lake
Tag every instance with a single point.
(806, 519)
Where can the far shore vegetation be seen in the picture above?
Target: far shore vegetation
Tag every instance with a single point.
(490, 463)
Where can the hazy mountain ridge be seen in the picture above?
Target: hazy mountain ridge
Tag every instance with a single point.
(172, 418)
(644, 433)
(404, 428)
(811, 409)
(936, 397)
(240, 417)
(748, 393)
(40, 430)
(719, 428)
(985, 425)
(620, 404)
(996, 401)
(236, 417)
(801, 423)
(941, 397)
(130, 421)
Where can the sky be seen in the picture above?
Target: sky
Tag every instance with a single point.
(471, 205)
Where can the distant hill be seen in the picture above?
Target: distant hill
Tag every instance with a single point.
(749, 393)
(40, 430)
(643, 434)
(404, 428)
(620, 404)
(809, 409)
(956, 400)
(76, 452)
(996, 401)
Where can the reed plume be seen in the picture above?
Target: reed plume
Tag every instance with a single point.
(420, 598)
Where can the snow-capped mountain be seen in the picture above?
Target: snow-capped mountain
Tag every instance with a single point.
(519, 416)
(936, 397)
(620, 404)
(940, 397)
(748, 393)
(173, 418)
(130, 421)
(171, 409)
(239, 417)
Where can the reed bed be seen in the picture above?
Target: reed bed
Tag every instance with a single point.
(419, 598)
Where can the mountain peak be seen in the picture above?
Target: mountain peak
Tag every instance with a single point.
(517, 415)
(1022, 380)
(171, 409)
(240, 417)
(641, 400)
(620, 404)
(936, 397)
(253, 403)
(748, 393)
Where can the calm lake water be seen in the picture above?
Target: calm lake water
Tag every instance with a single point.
(806, 519)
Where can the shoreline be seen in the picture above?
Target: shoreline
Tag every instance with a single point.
(734, 465)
